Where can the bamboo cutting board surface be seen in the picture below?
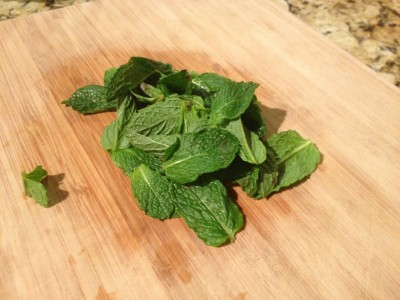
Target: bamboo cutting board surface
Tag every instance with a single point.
(334, 236)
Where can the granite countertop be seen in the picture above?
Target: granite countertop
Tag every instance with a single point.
(369, 30)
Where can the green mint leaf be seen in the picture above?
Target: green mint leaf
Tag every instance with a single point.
(199, 153)
(260, 180)
(252, 149)
(153, 192)
(108, 75)
(177, 82)
(194, 120)
(155, 144)
(34, 188)
(132, 74)
(209, 83)
(90, 99)
(152, 91)
(231, 101)
(207, 209)
(195, 115)
(192, 101)
(297, 157)
(161, 118)
(144, 99)
(131, 158)
(253, 119)
(113, 137)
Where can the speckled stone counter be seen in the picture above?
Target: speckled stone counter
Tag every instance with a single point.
(370, 30)
(14, 8)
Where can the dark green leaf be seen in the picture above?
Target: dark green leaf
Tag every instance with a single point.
(203, 152)
(253, 119)
(209, 82)
(132, 74)
(207, 210)
(297, 157)
(231, 101)
(260, 180)
(177, 82)
(34, 188)
(153, 192)
(108, 75)
(90, 99)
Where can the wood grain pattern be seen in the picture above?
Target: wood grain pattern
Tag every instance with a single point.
(334, 236)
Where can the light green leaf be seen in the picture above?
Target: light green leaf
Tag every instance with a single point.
(252, 148)
(202, 152)
(33, 186)
(153, 192)
(152, 91)
(207, 210)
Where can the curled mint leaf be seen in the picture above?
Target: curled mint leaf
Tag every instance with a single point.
(33, 186)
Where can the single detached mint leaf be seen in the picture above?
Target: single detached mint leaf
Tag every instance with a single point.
(153, 192)
(231, 101)
(252, 149)
(132, 74)
(297, 157)
(108, 75)
(90, 99)
(34, 188)
(199, 153)
(131, 158)
(207, 210)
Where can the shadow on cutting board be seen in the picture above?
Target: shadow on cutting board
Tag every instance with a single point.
(273, 118)
(55, 194)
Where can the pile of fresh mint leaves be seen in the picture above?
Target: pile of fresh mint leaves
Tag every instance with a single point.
(181, 136)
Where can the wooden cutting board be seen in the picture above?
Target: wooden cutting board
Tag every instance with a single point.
(335, 236)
